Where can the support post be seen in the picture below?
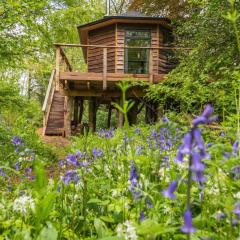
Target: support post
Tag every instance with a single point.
(120, 116)
(109, 116)
(92, 113)
(104, 69)
(151, 114)
(151, 66)
(81, 109)
(132, 114)
(67, 115)
(58, 60)
(75, 115)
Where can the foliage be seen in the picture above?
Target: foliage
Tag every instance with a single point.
(212, 66)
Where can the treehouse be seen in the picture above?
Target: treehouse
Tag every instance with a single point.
(113, 49)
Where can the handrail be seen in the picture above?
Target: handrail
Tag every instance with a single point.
(64, 57)
(50, 84)
(122, 47)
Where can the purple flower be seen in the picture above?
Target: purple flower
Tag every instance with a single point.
(236, 209)
(188, 227)
(2, 173)
(220, 215)
(70, 176)
(187, 144)
(134, 184)
(17, 141)
(208, 111)
(149, 203)
(72, 160)
(205, 116)
(139, 150)
(198, 139)
(169, 192)
(104, 133)
(17, 166)
(235, 222)
(97, 152)
(165, 119)
(179, 156)
(142, 216)
(197, 165)
(198, 177)
(137, 131)
(235, 148)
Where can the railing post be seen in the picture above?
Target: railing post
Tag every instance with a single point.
(151, 66)
(104, 68)
(58, 55)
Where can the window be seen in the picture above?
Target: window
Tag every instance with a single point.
(136, 60)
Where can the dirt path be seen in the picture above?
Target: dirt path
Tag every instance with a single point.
(54, 141)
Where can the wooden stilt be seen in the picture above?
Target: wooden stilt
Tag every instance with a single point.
(75, 115)
(67, 115)
(132, 114)
(92, 114)
(81, 109)
(120, 116)
(151, 114)
(109, 116)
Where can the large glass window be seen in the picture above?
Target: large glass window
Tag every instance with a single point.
(136, 60)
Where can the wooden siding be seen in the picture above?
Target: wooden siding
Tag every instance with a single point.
(165, 64)
(102, 36)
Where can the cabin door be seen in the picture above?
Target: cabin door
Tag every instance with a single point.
(137, 60)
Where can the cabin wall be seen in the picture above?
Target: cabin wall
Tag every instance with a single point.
(120, 39)
(101, 36)
(165, 64)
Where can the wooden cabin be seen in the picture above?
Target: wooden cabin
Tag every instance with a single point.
(113, 49)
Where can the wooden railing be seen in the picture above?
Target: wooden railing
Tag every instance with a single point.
(48, 100)
(63, 63)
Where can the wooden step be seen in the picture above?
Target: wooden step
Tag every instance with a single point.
(55, 124)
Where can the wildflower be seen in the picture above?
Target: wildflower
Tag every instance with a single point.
(106, 133)
(137, 131)
(142, 216)
(235, 148)
(130, 231)
(205, 117)
(80, 155)
(236, 209)
(17, 166)
(72, 160)
(149, 203)
(169, 192)
(197, 166)
(70, 176)
(220, 215)
(165, 119)
(17, 141)
(198, 139)
(97, 152)
(235, 222)
(23, 204)
(139, 150)
(188, 227)
(134, 185)
(2, 173)
(198, 177)
(187, 144)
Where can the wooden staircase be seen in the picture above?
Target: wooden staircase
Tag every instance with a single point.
(53, 109)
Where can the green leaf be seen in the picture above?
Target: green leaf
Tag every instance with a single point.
(48, 232)
(150, 227)
(101, 228)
